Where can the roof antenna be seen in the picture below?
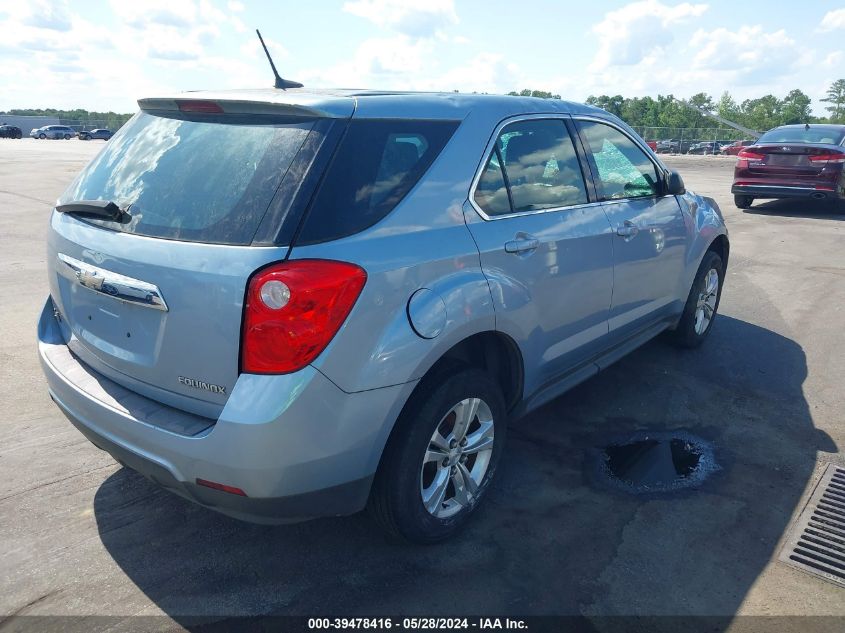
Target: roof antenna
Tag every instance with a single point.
(284, 84)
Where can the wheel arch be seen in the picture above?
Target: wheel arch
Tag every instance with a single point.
(494, 352)
(722, 247)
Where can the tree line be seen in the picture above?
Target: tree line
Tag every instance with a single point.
(759, 114)
(110, 120)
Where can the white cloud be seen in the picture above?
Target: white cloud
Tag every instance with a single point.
(833, 60)
(833, 20)
(142, 14)
(252, 48)
(772, 54)
(486, 72)
(381, 62)
(629, 35)
(53, 16)
(235, 6)
(410, 17)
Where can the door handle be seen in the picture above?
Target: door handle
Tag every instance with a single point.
(627, 229)
(522, 245)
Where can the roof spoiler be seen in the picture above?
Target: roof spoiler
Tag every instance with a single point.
(209, 104)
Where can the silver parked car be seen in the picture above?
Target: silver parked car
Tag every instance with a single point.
(53, 131)
(284, 305)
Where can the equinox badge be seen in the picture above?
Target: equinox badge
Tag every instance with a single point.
(199, 384)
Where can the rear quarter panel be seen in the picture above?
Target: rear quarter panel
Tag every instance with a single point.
(422, 243)
(705, 223)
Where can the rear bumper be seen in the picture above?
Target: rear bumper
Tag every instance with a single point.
(296, 444)
(782, 191)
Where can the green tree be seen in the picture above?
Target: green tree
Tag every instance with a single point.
(702, 101)
(542, 94)
(727, 108)
(763, 113)
(836, 98)
(609, 104)
(795, 108)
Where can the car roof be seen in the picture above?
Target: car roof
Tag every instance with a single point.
(384, 103)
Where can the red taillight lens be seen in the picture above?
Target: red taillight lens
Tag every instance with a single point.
(293, 310)
(827, 159)
(748, 155)
(207, 107)
(745, 155)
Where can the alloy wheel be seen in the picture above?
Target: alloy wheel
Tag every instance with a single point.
(705, 307)
(457, 458)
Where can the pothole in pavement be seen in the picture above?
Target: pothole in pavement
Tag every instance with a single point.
(655, 462)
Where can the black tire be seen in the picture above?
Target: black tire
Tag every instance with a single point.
(685, 335)
(67, 137)
(395, 500)
(743, 202)
(42, 136)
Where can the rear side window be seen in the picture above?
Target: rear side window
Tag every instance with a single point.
(205, 181)
(818, 135)
(622, 169)
(533, 166)
(377, 163)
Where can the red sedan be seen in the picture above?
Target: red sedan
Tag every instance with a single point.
(793, 161)
(736, 147)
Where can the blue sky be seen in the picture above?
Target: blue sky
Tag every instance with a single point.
(105, 54)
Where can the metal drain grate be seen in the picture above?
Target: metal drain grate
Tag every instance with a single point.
(817, 543)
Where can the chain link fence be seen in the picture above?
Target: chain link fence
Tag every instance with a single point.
(680, 140)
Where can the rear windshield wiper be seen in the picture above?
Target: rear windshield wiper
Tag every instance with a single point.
(95, 208)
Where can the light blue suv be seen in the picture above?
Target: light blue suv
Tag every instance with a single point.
(283, 304)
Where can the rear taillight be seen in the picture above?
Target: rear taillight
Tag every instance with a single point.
(293, 310)
(744, 156)
(827, 159)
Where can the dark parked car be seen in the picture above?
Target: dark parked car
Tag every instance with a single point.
(10, 131)
(674, 146)
(793, 161)
(708, 147)
(736, 147)
(100, 133)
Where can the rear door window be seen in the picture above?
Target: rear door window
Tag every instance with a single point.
(206, 181)
(377, 163)
(622, 169)
(533, 166)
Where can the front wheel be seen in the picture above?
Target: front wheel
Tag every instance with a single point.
(42, 136)
(743, 202)
(702, 303)
(441, 456)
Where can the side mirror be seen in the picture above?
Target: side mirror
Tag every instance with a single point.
(675, 184)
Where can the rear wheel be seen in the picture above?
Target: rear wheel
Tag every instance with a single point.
(743, 202)
(441, 457)
(702, 303)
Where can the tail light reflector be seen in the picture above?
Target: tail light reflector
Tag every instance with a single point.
(293, 310)
(222, 487)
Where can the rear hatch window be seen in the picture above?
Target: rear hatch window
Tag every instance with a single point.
(201, 181)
